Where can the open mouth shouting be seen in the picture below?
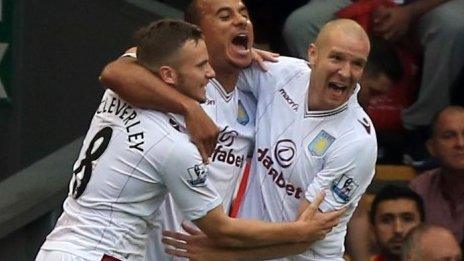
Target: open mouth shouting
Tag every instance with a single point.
(239, 49)
(241, 44)
(338, 88)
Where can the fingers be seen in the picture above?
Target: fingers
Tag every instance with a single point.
(260, 56)
(176, 235)
(318, 199)
(190, 229)
(174, 243)
(261, 63)
(204, 152)
(177, 252)
(313, 207)
(206, 145)
(268, 56)
(203, 131)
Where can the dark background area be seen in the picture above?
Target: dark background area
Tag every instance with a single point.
(58, 51)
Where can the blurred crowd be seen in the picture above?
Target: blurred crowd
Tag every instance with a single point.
(412, 89)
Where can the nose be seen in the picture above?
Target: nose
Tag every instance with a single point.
(398, 226)
(345, 70)
(240, 20)
(210, 72)
(460, 141)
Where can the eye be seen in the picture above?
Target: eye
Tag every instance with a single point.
(447, 135)
(224, 15)
(202, 64)
(359, 64)
(335, 57)
(386, 219)
(408, 218)
(245, 14)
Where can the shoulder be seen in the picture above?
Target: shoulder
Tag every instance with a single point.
(288, 67)
(182, 148)
(357, 126)
(361, 122)
(284, 67)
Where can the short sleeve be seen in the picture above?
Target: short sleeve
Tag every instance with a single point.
(347, 173)
(258, 82)
(186, 178)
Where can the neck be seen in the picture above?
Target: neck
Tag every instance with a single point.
(227, 79)
(313, 101)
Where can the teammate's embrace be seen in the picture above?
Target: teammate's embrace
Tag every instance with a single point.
(311, 134)
(131, 158)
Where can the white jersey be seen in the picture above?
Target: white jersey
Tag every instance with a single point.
(129, 160)
(300, 152)
(234, 113)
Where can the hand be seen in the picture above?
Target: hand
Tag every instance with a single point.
(392, 23)
(203, 131)
(195, 245)
(260, 56)
(318, 224)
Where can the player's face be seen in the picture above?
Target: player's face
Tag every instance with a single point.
(193, 70)
(447, 143)
(393, 220)
(337, 65)
(228, 32)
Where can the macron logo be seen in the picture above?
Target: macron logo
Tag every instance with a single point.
(289, 100)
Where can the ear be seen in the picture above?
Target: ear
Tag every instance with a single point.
(168, 74)
(430, 147)
(312, 54)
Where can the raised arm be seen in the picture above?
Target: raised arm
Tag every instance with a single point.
(140, 87)
(143, 89)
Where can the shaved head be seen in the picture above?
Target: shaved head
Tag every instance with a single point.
(429, 242)
(337, 61)
(341, 27)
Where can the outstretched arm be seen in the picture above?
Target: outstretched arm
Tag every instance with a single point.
(224, 231)
(197, 246)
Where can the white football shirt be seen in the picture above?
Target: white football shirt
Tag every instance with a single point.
(300, 152)
(129, 160)
(234, 113)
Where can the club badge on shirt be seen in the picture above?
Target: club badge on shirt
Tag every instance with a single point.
(242, 115)
(343, 188)
(321, 143)
(196, 175)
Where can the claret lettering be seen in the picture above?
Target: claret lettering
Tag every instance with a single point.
(128, 115)
(228, 156)
(277, 177)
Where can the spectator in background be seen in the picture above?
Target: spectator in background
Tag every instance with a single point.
(383, 70)
(437, 24)
(394, 212)
(442, 189)
(431, 242)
